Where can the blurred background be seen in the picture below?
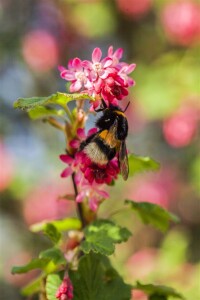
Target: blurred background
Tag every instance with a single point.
(163, 38)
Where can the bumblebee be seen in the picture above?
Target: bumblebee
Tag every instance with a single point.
(102, 146)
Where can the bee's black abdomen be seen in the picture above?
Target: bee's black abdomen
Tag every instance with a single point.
(87, 141)
(106, 149)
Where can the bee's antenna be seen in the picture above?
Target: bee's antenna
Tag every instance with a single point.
(126, 106)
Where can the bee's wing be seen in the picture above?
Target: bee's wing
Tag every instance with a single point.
(123, 160)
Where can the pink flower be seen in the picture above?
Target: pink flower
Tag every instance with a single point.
(74, 164)
(39, 57)
(180, 129)
(134, 8)
(112, 89)
(181, 22)
(124, 71)
(105, 78)
(89, 177)
(93, 192)
(116, 56)
(51, 207)
(76, 74)
(98, 68)
(65, 290)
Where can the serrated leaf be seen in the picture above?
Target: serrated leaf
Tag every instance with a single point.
(96, 279)
(157, 292)
(60, 225)
(102, 235)
(140, 164)
(58, 98)
(152, 214)
(52, 284)
(37, 263)
(52, 232)
(41, 112)
(53, 254)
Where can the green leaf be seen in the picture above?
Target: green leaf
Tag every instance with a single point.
(32, 287)
(96, 279)
(60, 225)
(41, 112)
(157, 292)
(152, 214)
(53, 254)
(52, 232)
(52, 284)
(58, 98)
(102, 235)
(37, 263)
(140, 164)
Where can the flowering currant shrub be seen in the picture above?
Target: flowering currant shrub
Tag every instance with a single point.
(77, 265)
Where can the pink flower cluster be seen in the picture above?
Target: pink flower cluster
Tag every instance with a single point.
(105, 78)
(181, 22)
(65, 290)
(90, 177)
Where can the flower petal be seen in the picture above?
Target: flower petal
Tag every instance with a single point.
(70, 66)
(77, 64)
(92, 131)
(102, 193)
(75, 86)
(80, 197)
(110, 51)
(88, 85)
(118, 53)
(61, 68)
(66, 172)
(89, 175)
(67, 75)
(130, 68)
(106, 62)
(93, 203)
(87, 64)
(96, 55)
(66, 158)
(81, 133)
(78, 177)
(75, 143)
(130, 81)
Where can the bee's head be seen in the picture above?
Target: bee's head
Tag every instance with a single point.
(107, 119)
(112, 107)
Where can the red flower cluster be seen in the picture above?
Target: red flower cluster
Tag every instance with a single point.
(82, 165)
(107, 78)
(65, 290)
(99, 173)
(89, 176)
